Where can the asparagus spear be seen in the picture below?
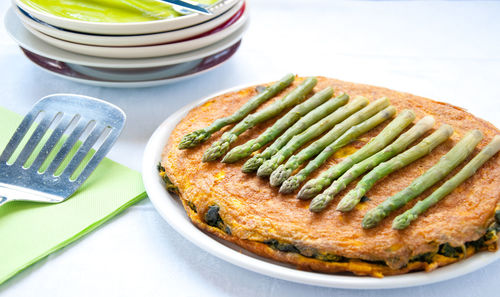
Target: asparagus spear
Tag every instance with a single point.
(221, 146)
(437, 172)
(272, 132)
(395, 127)
(293, 182)
(195, 138)
(402, 221)
(418, 151)
(310, 133)
(284, 171)
(319, 113)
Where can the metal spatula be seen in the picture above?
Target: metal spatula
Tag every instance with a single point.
(56, 147)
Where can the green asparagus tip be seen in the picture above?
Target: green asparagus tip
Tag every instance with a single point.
(347, 204)
(318, 203)
(289, 185)
(403, 221)
(252, 164)
(215, 151)
(309, 190)
(230, 157)
(279, 176)
(266, 168)
(193, 139)
(372, 218)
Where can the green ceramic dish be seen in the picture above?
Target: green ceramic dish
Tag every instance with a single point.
(118, 17)
(109, 11)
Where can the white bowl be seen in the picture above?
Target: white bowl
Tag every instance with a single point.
(146, 51)
(127, 40)
(30, 42)
(171, 210)
(128, 28)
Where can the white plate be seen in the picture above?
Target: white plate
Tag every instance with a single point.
(120, 76)
(132, 77)
(128, 40)
(128, 28)
(30, 42)
(145, 51)
(172, 211)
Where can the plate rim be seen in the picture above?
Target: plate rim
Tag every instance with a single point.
(164, 202)
(128, 40)
(137, 52)
(126, 28)
(136, 84)
(24, 38)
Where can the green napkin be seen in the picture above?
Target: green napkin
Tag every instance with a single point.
(30, 231)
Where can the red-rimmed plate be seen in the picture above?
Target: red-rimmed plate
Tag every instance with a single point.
(30, 42)
(229, 27)
(132, 77)
(129, 40)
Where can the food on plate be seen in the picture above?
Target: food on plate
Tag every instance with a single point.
(381, 168)
(290, 184)
(319, 113)
(437, 172)
(194, 138)
(221, 146)
(244, 209)
(312, 132)
(284, 171)
(402, 221)
(391, 131)
(111, 11)
(282, 124)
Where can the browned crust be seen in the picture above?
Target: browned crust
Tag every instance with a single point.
(255, 212)
(355, 266)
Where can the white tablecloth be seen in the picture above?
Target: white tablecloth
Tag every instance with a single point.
(449, 51)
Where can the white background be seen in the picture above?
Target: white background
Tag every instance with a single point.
(449, 51)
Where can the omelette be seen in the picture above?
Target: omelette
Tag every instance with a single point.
(244, 209)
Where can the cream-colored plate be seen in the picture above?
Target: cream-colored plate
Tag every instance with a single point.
(171, 210)
(132, 77)
(127, 28)
(30, 42)
(142, 51)
(128, 40)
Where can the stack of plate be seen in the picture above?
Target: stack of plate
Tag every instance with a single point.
(128, 54)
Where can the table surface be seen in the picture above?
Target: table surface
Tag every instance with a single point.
(449, 51)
